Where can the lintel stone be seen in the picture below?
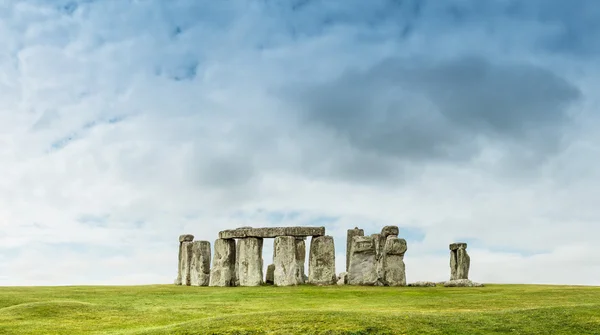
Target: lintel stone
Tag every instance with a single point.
(272, 232)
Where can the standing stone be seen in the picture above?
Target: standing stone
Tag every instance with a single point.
(237, 263)
(300, 259)
(223, 269)
(250, 263)
(286, 264)
(186, 262)
(200, 263)
(351, 233)
(182, 238)
(363, 263)
(321, 261)
(270, 278)
(460, 261)
(392, 261)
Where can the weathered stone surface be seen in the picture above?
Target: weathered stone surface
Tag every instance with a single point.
(286, 272)
(200, 263)
(422, 284)
(272, 232)
(223, 268)
(270, 277)
(250, 263)
(182, 238)
(462, 283)
(392, 262)
(186, 238)
(185, 264)
(350, 234)
(363, 262)
(321, 261)
(460, 261)
(342, 278)
(300, 259)
(456, 246)
(237, 263)
(389, 231)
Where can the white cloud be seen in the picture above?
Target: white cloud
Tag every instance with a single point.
(123, 125)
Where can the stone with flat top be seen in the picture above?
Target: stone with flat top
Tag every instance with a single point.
(272, 232)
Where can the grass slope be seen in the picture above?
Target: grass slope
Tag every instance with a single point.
(169, 309)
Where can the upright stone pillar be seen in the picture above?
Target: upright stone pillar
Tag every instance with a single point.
(321, 261)
(284, 257)
(270, 276)
(363, 262)
(182, 238)
(300, 259)
(460, 261)
(200, 263)
(223, 267)
(350, 234)
(392, 261)
(186, 263)
(250, 262)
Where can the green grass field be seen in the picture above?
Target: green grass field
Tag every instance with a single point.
(169, 309)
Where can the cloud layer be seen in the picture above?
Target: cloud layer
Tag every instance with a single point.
(125, 124)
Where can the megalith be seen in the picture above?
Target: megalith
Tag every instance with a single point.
(392, 262)
(286, 265)
(350, 234)
(200, 263)
(459, 261)
(250, 263)
(223, 267)
(182, 238)
(270, 277)
(300, 259)
(186, 262)
(321, 261)
(363, 262)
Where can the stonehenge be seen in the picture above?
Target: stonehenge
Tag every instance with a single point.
(372, 260)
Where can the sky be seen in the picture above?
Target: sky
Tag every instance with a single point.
(124, 124)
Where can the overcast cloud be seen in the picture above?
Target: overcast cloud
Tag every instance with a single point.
(124, 124)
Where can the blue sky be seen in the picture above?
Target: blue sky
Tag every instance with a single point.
(126, 123)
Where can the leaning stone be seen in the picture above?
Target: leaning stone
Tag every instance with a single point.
(284, 257)
(182, 238)
(363, 263)
(272, 232)
(270, 274)
(200, 264)
(422, 284)
(300, 259)
(321, 261)
(392, 262)
(223, 268)
(186, 261)
(250, 263)
(349, 235)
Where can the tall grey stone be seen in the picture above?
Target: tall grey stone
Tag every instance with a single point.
(349, 235)
(223, 267)
(284, 257)
(460, 262)
(300, 259)
(363, 261)
(270, 277)
(321, 261)
(392, 262)
(186, 262)
(200, 263)
(250, 263)
(237, 263)
(182, 238)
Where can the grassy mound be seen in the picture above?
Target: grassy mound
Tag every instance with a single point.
(167, 309)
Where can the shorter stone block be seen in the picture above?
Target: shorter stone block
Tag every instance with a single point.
(321, 261)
